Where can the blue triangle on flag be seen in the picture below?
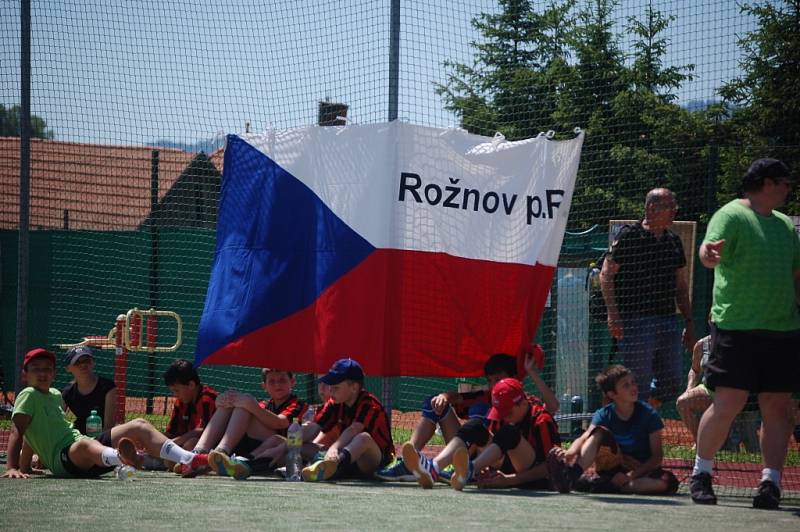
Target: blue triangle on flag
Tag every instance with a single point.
(278, 248)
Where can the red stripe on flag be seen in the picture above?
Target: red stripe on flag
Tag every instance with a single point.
(408, 313)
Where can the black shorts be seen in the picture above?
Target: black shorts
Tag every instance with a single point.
(753, 360)
(105, 438)
(246, 446)
(352, 471)
(94, 471)
(539, 484)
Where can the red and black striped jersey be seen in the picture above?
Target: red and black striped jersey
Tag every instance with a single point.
(538, 427)
(469, 399)
(368, 411)
(194, 415)
(292, 409)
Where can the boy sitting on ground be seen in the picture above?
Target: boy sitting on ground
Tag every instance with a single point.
(195, 403)
(88, 391)
(271, 454)
(241, 423)
(623, 442)
(39, 418)
(515, 445)
(449, 410)
(365, 442)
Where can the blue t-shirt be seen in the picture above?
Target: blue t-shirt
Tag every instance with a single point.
(633, 434)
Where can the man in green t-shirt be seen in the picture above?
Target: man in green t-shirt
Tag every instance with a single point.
(39, 418)
(755, 325)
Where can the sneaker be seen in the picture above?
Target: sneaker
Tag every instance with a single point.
(446, 474)
(701, 490)
(768, 496)
(225, 466)
(320, 470)
(420, 466)
(126, 450)
(463, 469)
(562, 475)
(198, 466)
(396, 471)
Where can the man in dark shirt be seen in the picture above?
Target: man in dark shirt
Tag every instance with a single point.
(642, 279)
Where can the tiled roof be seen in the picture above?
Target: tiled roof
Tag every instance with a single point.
(102, 187)
(217, 157)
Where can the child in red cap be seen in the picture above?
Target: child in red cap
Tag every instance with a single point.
(521, 432)
(39, 418)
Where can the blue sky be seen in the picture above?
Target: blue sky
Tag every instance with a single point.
(132, 72)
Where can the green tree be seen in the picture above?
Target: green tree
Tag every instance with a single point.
(512, 85)
(597, 79)
(766, 109)
(563, 67)
(10, 124)
(660, 143)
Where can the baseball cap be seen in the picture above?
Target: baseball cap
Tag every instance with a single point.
(75, 353)
(505, 395)
(342, 370)
(39, 352)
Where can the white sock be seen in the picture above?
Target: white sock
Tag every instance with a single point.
(701, 465)
(175, 453)
(773, 475)
(110, 457)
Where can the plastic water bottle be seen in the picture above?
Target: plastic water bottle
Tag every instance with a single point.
(576, 407)
(94, 425)
(308, 417)
(294, 442)
(125, 472)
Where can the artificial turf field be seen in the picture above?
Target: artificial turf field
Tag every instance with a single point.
(158, 500)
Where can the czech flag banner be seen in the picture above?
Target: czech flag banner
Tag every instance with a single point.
(416, 251)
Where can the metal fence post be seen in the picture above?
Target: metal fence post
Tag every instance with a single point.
(23, 243)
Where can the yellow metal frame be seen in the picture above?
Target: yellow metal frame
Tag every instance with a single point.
(110, 341)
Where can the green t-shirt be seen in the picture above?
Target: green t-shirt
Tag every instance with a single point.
(754, 281)
(49, 430)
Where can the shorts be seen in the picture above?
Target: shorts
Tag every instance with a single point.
(478, 410)
(74, 471)
(352, 470)
(539, 484)
(246, 446)
(753, 361)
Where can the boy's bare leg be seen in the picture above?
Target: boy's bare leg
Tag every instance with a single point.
(364, 452)
(186, 441)
(522, 456)
(86, 453)
(215, 429)
(143, 434)
(423, 432)
(491, 456)
(268, 447)
(445, 456)
(237, 427)
(691, 406)
(589, 449)
(645, 486)
(449, 425)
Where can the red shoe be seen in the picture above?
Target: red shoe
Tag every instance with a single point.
(198, 466)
